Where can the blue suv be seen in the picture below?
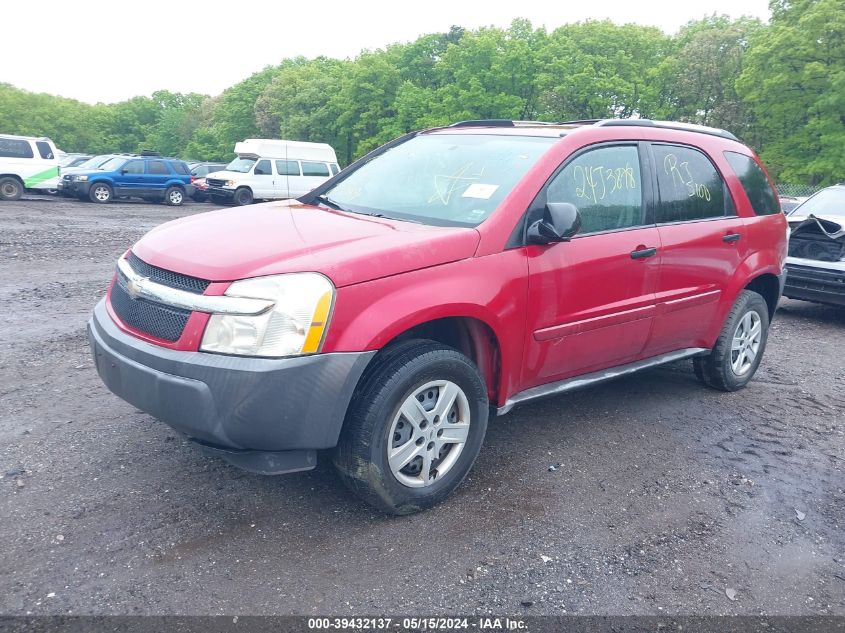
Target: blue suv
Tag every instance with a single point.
(154, 179)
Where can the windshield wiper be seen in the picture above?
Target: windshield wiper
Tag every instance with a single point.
(328, 202)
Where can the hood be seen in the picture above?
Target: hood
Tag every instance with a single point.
(226, 175)
(819, 239)
(287, 236)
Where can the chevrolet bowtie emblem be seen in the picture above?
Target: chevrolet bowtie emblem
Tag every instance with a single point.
(133, 287)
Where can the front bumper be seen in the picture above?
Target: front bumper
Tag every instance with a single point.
(811, 280)
(220, 193)
(263, 415)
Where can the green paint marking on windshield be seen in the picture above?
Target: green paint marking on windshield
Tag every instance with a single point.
(30, 182)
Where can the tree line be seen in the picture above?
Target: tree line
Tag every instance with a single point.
(778, 85)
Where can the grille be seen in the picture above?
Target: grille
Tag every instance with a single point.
(215, 182)
(167, 277)
(158, 320)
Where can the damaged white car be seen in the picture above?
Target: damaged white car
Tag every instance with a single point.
(816, 263)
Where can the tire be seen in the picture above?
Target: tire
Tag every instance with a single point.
(243, 196)
(11, 189)
(727, 367)
(174, 196)
(375, 424)
(100, 193)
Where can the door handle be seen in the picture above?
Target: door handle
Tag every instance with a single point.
(731, 237)
(642, 253)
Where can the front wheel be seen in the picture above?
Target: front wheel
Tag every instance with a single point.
(414, 429)
(100, 192)
(739, 349)
(174, 196)
(243, 196)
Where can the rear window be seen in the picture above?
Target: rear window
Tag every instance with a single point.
(15, 148)
(763, 198)
(314, 169)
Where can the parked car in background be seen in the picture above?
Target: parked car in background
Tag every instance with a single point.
(816, 263)
(73, 160)
(268, 169)
(27, 162)
(66, 175)
(447, 273)
(198, 173)
(200, 190)
(788, 203)
(154, 179)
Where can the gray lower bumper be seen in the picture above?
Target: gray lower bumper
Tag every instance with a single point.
(266, 415)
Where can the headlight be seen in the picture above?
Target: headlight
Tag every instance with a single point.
(294, 325)
(231, 183)
(80, 178)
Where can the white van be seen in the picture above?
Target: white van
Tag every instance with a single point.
(27, 163)
(268, 169)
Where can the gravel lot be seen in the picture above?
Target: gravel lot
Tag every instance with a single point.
(668, 496)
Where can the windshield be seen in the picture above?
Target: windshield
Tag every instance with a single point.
(442, 179)
(112, 164)
(241, 165)
(94, 163)
(67, 161)
(826, 202)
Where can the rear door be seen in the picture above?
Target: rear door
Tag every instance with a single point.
(703, 243)
(591, 300)
(156, 178)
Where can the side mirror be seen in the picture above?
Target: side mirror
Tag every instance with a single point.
(559, 223)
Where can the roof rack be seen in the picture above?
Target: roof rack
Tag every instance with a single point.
(499, 123)
(669, 125)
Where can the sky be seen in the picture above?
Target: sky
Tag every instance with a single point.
(107, 51)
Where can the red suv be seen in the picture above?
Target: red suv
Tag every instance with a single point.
(450, 274)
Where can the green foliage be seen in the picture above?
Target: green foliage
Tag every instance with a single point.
(780, 86)
(794, 83)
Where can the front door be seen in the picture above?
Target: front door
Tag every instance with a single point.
(132, 179)
(262, 180)
(591, 300)
(703, 244)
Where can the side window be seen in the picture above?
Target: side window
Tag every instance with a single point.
(157, 167)
(763, 199)
(690, 187)
(314, 169)
(15, 148)
(180, 168)
(606, 186)
(44, 149)
(287, 167)
(133, 167)
(262, 168)
(335, 169)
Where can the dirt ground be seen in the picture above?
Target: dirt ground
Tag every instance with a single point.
(669, 499)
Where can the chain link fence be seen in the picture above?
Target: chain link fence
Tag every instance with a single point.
(797, 191)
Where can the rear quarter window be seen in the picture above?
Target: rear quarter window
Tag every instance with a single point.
(763, 198)
(182, 168)
(44, 150)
